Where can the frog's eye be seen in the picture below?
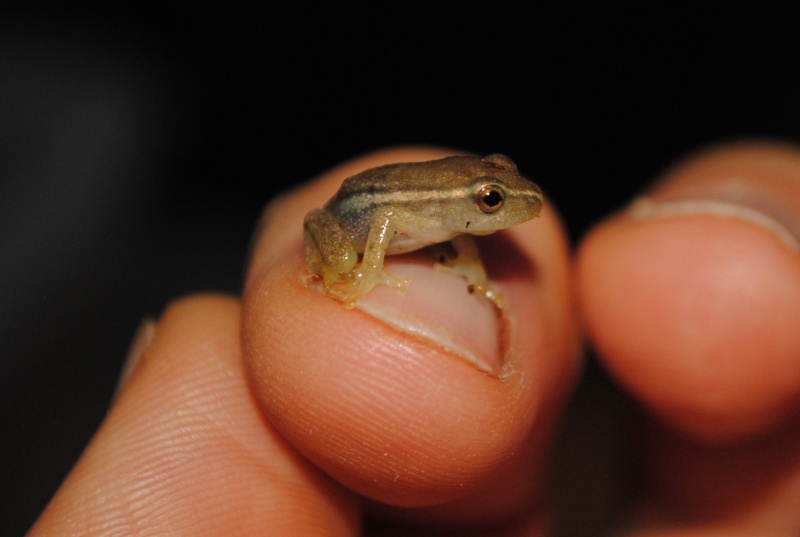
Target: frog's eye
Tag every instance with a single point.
(489, 198)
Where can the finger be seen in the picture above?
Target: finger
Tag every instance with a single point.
(420, 399)
(185, 451)
(692, 297)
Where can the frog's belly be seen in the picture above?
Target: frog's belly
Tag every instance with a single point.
(402, 242)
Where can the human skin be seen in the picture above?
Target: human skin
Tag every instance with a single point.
(283, 413)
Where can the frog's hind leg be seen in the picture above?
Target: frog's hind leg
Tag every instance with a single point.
(330, 253)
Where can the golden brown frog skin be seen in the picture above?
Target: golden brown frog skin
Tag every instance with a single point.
(399, 208)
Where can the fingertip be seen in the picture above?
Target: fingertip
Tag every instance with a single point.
(694, 308)
(402, 410)
(388, 413)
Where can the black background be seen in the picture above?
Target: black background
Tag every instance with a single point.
(137, 149)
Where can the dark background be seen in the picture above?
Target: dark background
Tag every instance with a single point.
(137, 149)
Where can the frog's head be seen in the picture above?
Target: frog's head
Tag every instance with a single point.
(500, 197)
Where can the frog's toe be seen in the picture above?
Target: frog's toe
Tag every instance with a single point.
(490, 293)
(397, 283)
(342, 289)
(366, 280)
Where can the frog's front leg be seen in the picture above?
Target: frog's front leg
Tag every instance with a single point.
(467, 264)
(371, 271)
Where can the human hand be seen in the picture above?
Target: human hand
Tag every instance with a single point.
(285, 414)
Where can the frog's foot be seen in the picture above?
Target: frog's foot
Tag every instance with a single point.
(361, 282)
(471, 270)
(488, 292)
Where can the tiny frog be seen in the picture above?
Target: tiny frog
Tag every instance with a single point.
(399, 208)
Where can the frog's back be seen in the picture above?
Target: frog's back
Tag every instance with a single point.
(440, 194)
(407, 177)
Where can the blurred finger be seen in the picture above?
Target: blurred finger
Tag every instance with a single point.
(185, 451)
(692, 299)
(693, 296)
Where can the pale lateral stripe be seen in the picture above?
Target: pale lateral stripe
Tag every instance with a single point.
(404, 197)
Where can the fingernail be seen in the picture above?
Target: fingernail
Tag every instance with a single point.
(737, 200)
(438, 308)
(141, 342)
